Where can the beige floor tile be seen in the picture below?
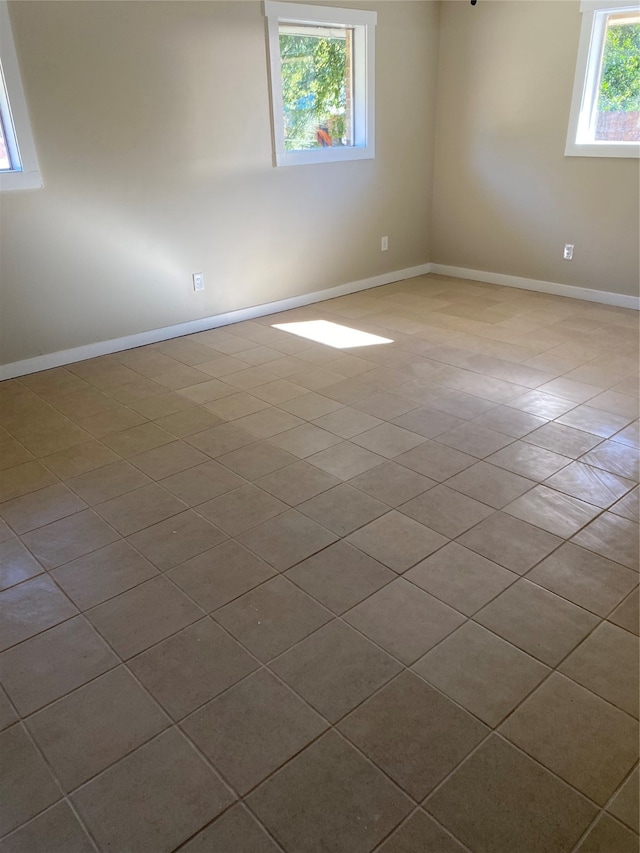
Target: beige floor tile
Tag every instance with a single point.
(202, 483)
(491, 485)
(427, 422)
(161, 405)
(607, 664)
(257, 460)
(405, 621)
(296, 482)
(481, 672)
(612, 537)
(177, 539)
(103, 574)
(590, 484)
(552, 511)
(502, 800)
(188, 796)
(68, 538)
(188, 422)
(608, 834)
(585, 578)
(26, 775)
(543, 405)
(538, 622)
(188, 669)
(345, 460)
(616, 403)
(577, 735)
(594, 421)
(510, 421)
(629, 506)
(129, 442)
(477, 440)
(461, 578)
(257, 618)
(347, 422)
(384, 405)
(279, 391)
(615, 457)
(91, 728)
(630, 435)
(510, 542)
(436, 461)
(335, 799)
(242, 509)
(235, 406)
(161, 462)
(140, 508)
(74, 461)
(626, 614)
(413, 733)
(268, 422)
(569, 389)
(625, 803)
(446, 511)
(108, 482)
(287, 539)
(343, 509)
(221, 439)
(305, 440)
(206, 392)
(530, 461)
(12, 452)
(221, 574)
(420, 833)
(31, 607)
(116, 419)
(310, 406)
(564, 440)
(39, 508)
(392, 483)
(16, 563)
(397, 541)
(24, 478)
(57, 827)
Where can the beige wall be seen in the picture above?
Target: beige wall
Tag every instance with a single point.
(152, 126)
(505, 197)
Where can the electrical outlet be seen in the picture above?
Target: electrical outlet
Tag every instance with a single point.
(198, 281)
(568, 251)
(384, 244)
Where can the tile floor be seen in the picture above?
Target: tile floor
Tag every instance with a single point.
(260, 594)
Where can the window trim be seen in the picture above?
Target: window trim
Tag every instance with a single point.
(364, 23)
(15, 118)
(592, 33)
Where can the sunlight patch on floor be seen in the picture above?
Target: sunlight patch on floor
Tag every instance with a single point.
(332, 334)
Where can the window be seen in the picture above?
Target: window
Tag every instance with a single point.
(605, 111)
(18, 161)
(322, 83)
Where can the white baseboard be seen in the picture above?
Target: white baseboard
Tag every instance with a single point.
(620, 300)
(154, 336)
(68, 356)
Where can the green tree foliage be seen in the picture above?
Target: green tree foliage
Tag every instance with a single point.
(620, 82)
(313, 86)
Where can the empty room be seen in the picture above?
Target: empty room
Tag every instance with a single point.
(319, 450)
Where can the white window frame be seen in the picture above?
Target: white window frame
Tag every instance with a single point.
(25, 172)
(580, 141)
(363, 23)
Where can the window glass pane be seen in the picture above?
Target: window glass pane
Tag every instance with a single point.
(316, 68)
(5, 162)
(618, 107)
